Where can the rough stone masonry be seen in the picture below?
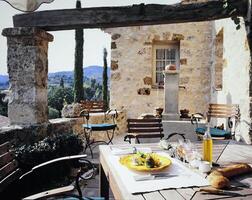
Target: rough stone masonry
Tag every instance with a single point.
(28, 71)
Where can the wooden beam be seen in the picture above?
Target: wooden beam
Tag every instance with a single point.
(104, 17)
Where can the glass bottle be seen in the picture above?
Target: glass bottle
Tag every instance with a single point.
(207, 145)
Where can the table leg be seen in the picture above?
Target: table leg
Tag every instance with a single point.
(104, 184)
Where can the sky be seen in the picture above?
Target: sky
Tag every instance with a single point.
(61, 50)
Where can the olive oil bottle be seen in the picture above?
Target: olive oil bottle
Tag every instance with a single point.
(207, 145)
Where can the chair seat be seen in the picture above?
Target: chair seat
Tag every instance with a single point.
(99, 127)
(215, 132)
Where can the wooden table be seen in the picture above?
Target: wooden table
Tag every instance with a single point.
(225, 152)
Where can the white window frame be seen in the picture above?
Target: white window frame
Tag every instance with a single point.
(171, 45)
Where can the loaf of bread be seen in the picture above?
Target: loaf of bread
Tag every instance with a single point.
(219, 178)
(234, 170)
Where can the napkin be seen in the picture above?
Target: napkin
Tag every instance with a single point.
(119, 151)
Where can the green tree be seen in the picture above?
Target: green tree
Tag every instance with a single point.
(105, 79)
(62, 82)
(58, 96)
(78, 65)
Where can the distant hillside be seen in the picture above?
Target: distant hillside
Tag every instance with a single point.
(90, 72)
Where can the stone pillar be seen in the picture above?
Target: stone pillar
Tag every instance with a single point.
(171, 90)
(28, 71)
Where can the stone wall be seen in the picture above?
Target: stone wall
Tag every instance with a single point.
(235, 72)
(132, 65)
(30, 134)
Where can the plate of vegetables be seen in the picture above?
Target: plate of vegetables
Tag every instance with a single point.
(145, 161)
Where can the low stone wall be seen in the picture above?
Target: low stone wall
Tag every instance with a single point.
(30, 134)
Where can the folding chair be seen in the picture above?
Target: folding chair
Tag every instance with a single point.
(108, 128)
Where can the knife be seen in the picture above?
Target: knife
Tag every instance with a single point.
(219, 192)
(153, 176)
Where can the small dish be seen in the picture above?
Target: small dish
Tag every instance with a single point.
(205, 167)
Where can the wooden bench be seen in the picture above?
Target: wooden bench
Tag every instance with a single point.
(93, 106)
(9, 171)
(144, 128)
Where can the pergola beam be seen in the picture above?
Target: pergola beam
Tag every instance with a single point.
(104, 17)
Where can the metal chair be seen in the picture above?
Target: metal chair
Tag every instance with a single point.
(88, 128)
(85, 172)
(229, 111)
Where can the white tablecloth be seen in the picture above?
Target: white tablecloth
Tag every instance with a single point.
(186, 178)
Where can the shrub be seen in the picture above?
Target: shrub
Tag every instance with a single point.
(29, 156)
(51, 176)
(53, 113)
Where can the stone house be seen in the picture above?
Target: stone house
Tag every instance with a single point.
(212, 58)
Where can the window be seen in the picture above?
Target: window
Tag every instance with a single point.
(163, 56)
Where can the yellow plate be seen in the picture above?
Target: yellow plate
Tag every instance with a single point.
(127, 161)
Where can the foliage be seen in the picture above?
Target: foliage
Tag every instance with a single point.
(53, 113)
(57, 96)
(93, 90)
(29, 156)
(78, 70)
(3, 105)
(105, 80)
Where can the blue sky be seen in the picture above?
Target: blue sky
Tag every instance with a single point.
(61, 50)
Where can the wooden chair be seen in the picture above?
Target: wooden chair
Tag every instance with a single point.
(147, 128)
(144, 128)
(9, 171)
(229, 111)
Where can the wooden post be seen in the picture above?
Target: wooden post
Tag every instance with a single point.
(136, 15)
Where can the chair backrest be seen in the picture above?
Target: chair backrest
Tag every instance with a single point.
(93, 106)
(145, 125)
(8, 165)
(223, 111)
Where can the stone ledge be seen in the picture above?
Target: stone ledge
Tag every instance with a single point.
(21, 135)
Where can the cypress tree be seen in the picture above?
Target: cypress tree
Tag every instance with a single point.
(105, 79)
(62, 82)
(78, 65)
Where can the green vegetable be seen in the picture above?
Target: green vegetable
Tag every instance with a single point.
(150, 162)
